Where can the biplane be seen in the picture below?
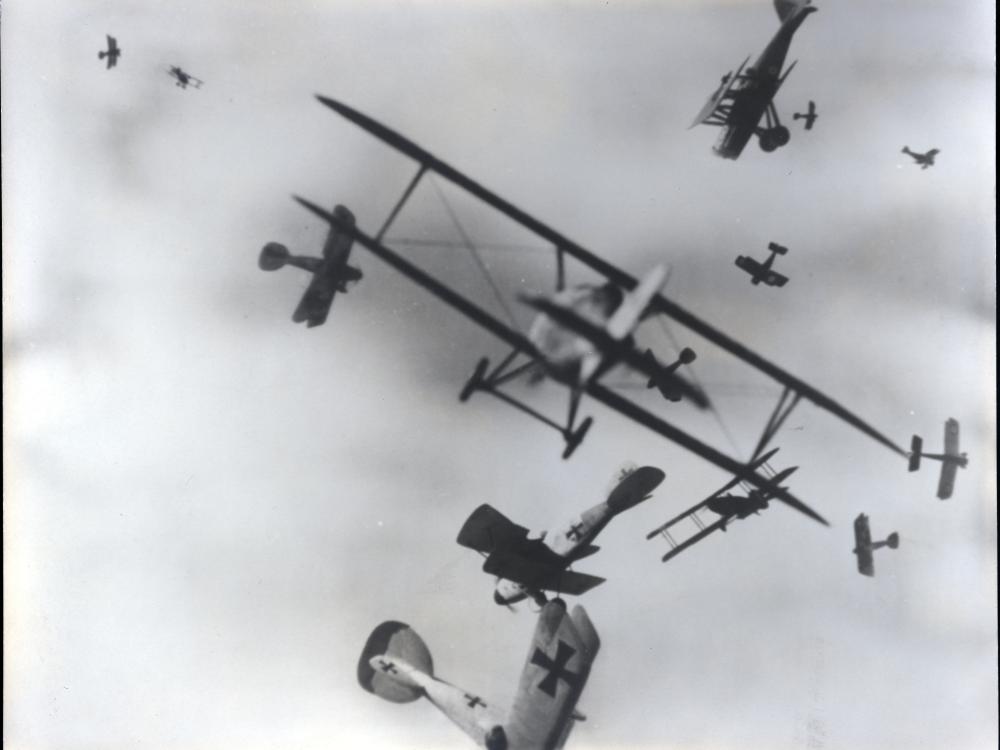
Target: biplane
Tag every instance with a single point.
(330, 274)
(529, 566)
(746, 96)
(809, 116)
(396, 665)
(951, 460)
(112, 53)
(183, 79)
(612, 349)
(924, 160)
(762, 271)
(728, 507)
(864, 546)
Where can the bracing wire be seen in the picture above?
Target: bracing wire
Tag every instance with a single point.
(467, 242)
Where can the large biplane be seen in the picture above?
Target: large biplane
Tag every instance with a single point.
(951, 460)
(599, 335)
(330, 274)
(728, 507)
(529, 566)
(864, 546)
(396, 665)
(743, 98)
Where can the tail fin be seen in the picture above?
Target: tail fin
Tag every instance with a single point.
(629, 313)
(893, 540)
(394, 640)
(788, 8)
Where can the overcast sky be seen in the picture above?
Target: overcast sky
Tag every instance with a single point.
(208, 508)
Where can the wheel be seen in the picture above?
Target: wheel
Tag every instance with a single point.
(767, 143)
(781, 135)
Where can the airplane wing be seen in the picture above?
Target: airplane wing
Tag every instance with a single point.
(314, 307)
(556, 669)
(539, 575)
(863, 546)
(775, 279)
(487, 529)
(710, 110)
(748, 264)
(946, 481)
(338, 242)
(692, 540)
(951, 437)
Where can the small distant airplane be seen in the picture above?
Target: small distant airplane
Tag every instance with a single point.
(663, 378)
(864, 546)
(743, 98)
(924, 160)
(762, 271)
(529, 566)
(810, 116)
(396, 665)
(331, 274)
(728, 507)
(184, 79)
(950, 460)
(112, 53)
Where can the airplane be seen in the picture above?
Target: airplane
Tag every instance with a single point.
(728, 507)
(743, 98)
(762, 271)
(396, 665)
(113, 52)
(622, 351)
(924, 160)
(529, 566)
(184, 79)
(810, 116)
(950, 460)
(330, 274)
(864, 546)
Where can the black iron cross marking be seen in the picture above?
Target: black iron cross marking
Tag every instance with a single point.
(575, 532)
(557, 668)
(386, 666)
(474, 700)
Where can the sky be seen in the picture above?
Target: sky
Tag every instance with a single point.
(208, 508)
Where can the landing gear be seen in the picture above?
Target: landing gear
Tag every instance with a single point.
(773, 135)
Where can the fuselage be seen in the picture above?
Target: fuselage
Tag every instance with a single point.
(565, 351)
(754, 92)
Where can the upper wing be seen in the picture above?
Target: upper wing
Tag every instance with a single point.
(556, 669)
(487, 529)
(338, 241)
(946, 482)
(710, 114)
(314, 307)
(951, 437)
(540, 575)
(863, 545)
(749, 265)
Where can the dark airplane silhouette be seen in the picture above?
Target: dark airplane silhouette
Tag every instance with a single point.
(810, 115)
(113, 52)
(924, 160)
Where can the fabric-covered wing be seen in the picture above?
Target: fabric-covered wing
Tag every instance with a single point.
(951, 437)
(863, 545)
(540, 575)
(558, 663)
(748, 264)
(314, 306)
(487, 529)
(946, 482)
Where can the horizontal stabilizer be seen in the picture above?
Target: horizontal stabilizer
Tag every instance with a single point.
(774, 247)
(635, 488)
(394, 640)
